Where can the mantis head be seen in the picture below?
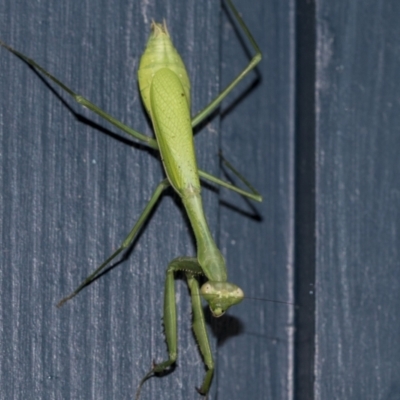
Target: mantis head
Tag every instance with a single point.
(220, 296)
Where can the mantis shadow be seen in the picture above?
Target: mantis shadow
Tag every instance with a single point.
(256, 81)
(254, 214)
(225, 327)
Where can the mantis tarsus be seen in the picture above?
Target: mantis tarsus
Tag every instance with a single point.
(165, 92)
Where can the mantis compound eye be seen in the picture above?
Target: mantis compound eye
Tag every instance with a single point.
(221, 295)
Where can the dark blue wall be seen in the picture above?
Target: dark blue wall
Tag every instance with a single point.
(72, 186)
(315, 128)
(358, 200)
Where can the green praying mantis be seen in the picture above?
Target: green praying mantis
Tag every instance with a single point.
(165, 90)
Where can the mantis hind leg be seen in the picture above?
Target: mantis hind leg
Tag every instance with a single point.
(251, 65)
(251, 192)
(83, 101)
